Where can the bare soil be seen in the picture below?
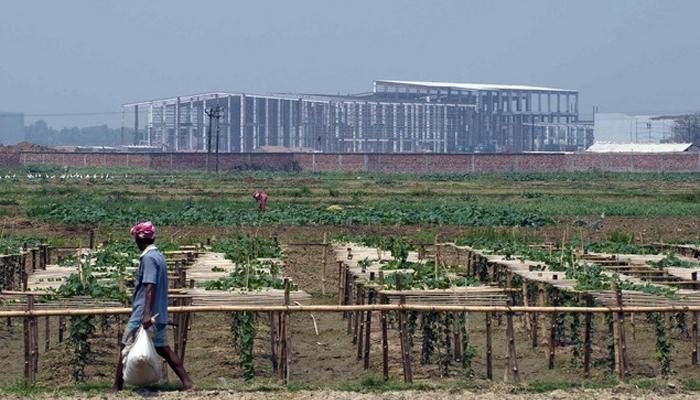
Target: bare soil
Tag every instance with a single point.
(616, 394)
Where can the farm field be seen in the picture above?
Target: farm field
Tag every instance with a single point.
(551, 219)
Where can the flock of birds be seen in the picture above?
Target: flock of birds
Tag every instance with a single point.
(60, 178)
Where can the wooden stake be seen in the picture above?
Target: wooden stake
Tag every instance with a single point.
(27, 346)
(360, 321)
(553, 329)
(405, 351)
(385, 335)
(61, 328)
(512, 374)
(526, 303)
(341, 274)
(469, 264)
(46, 334)
(368, 330)
(587, 340)
(694, 357)
(186, 325)
(35, 343)
(286, 334)
(456, 338)
(325, 262)
(536, 317)
(356, 316)
(618, 327)
(437, 256)
(489, 361)
(273, 341)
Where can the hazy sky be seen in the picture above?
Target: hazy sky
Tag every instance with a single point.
(91, 56)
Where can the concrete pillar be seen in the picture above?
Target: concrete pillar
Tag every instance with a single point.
(136, 124)
(190, 131)
(204, 125)
(229, 118)
(255, 123)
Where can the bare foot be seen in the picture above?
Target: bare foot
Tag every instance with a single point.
(189, 387)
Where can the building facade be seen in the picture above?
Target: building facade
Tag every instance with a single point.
(396, 117)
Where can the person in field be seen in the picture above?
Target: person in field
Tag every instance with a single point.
(150, 298)
(261, 198)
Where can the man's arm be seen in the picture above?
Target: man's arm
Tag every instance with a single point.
(149, 288)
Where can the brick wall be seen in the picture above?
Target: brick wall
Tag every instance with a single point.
(388, 163)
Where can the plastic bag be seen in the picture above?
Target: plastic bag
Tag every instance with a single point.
(142, 366)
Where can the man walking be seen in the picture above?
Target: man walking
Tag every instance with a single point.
(151, 298)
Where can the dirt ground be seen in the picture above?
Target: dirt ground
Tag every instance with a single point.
(620, 393)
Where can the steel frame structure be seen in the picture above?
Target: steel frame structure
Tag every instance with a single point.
(397, 117)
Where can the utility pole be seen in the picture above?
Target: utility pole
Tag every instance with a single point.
(214, 112)
(218, 130)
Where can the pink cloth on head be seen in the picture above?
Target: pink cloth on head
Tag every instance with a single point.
(144, 230)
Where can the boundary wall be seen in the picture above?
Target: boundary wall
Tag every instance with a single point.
(374, 162)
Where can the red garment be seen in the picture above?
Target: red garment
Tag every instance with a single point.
(263, 201)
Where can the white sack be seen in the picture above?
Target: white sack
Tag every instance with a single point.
(142, 366)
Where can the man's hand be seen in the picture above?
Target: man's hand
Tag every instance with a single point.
(146, 322)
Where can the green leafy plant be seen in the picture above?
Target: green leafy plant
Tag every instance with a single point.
(243, 330)
(664, 346)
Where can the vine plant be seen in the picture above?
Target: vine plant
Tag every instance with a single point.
(664, 346)
(249, 274)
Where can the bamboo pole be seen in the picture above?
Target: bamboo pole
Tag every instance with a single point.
(553, 330)
(456, 339)
(360, 322)
(368, 330)
(340, 283)
(587, 340)
(489, 361)
(526, 303)
(27, 347)
(325, 261)
(46, 334)
(512, 374)
(61, 328)
(694, 357)
(405, 351)
(357, 316)
(285, 335)
(352, 308)
(617, 337)
(273, 341)
(35, 343)
(385, 335)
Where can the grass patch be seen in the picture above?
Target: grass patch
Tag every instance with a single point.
(538, 386)
(377, 384)
(692, 384)
(650, 384)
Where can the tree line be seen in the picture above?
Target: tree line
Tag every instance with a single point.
(41, 133)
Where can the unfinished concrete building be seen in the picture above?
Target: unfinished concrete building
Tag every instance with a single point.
(396, 117)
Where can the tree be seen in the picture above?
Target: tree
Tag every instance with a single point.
(40, 133)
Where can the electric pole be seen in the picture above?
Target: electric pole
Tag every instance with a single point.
(214, 112)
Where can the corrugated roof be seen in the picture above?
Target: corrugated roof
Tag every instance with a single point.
(475, 86)
(604, 147)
